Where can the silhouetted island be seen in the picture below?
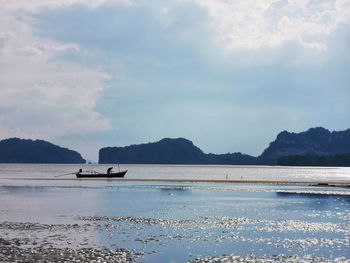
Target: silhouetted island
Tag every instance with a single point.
(15, 150)
(315, 141)
(316, 146)
(169, 151)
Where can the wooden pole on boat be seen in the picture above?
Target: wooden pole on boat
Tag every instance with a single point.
(63, 174)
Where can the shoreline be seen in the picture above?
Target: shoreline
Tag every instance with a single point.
(273, 182)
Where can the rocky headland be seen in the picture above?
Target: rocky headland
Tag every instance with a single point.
(313, 142)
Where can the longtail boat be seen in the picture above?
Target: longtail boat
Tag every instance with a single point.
(94, 174)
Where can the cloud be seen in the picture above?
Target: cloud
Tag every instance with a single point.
(254, 24)
(34, 5)
(227, 74)
(41, 96)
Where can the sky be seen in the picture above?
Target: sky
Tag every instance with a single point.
(228, 75)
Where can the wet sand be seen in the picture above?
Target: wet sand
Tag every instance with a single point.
(38, 242)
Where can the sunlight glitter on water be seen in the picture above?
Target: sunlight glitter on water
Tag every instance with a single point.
(179, 222)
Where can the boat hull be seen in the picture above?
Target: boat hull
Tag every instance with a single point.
(98, 175)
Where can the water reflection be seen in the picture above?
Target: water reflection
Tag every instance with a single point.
(182, 221)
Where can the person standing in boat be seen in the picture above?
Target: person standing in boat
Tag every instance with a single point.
(109, 170)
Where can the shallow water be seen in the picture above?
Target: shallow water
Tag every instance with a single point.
(215, 172)
(177, 222)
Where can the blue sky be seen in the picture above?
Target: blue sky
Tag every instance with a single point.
(228, 75)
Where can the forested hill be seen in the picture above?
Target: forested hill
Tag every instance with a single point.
(15, 150)
(169, 151)
(313, 142)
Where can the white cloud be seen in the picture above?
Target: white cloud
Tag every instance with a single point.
(33, 5)
(254, 24)
(42, 97)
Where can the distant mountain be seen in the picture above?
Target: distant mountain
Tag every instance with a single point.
(169, 151)
(17, 150)
(315, 141)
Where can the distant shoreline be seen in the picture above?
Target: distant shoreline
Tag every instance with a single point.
(273, 182)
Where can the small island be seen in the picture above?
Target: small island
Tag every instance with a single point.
(313, 142)
(15, 150)
(169, 151)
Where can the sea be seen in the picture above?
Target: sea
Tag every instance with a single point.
(181, 221)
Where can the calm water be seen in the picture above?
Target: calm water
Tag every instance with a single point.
(168, 222)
